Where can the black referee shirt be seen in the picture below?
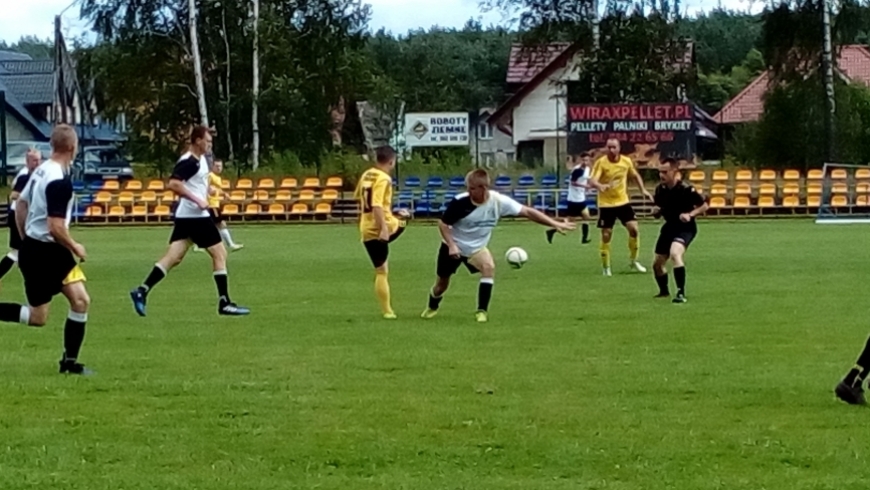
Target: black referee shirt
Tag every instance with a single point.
(676, 200)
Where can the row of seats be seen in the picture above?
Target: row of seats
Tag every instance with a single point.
(748, 176)
(837, 201)
(259, 195)
(226, 184)
(229, 210)
(787, 189)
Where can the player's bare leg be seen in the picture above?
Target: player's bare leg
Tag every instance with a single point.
(435, 296)
(219, 261)
(74, 328)
(678, 250)
(604, 248)
(585, 219)
(483, 262)
(174, 255)
(634, 246)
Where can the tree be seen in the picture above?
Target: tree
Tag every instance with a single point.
(38, 49)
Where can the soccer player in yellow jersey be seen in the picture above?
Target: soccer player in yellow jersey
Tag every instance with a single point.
(216, 194)
(378, 227)
(610, 176)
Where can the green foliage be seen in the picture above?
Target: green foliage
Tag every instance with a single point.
(715, 89)
(38, 49)
(722, 38)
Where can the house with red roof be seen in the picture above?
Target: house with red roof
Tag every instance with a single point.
(853, 65)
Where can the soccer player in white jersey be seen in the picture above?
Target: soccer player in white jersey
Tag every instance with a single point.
(48, 254)
(193, 225)
(466, 228)
(32, 160)
(578, 183)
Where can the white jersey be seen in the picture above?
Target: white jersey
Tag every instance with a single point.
(577, 184)
(49, 194)
(472, 223)
(193, 172)
(19, 183)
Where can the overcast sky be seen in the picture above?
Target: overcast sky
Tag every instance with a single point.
(35, 17)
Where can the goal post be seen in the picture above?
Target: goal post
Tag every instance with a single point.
(845, 191)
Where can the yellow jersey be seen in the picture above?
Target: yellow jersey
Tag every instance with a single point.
(375, 190)
(215, 191)
(614, 175)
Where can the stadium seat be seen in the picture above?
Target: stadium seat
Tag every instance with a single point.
(767, 175)
(93, 211)
(335, 182)
(125, 198)
(329, 195)
(238, 196)
(253, 209)
(103, 197)
(306, 195)
(766, 202)
(275, 209)
(526, 180)
(549, 180)
(721, 176)
(767, 190)
(791, 189)
(839, 201)
(289, 183)
(230, 210)
(133, 185)
(743, 190)
(299, 208)
(503, 181)
(311, 183)
(839, 174)
(863, 188)
(814, 188)
(78, 186)
(148, 197)
(111, 185)
(116, 211)
(815, 174)
(283, 195)
(226, 184)
(266, 183)
(791, 201)
(697, 176)
(521, 196)
(245, 184)
(323, 208)
(162, 210)
(412, 181)
(717, 202)
(791, 174)
(140, 210)
(863, 201)
(435, 183)
(742, 202)
(261, 195)
(698, 187)
(814, 201)
(456, 182)
(168, 196)
(840, 188)
(719, 190)
(743, 175)
(862, 174)
(156, 185)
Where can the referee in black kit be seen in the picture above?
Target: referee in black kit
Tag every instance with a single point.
(679, 204)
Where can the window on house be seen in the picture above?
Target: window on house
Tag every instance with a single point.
(484, 131)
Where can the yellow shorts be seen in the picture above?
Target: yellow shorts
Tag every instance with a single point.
(75, 275)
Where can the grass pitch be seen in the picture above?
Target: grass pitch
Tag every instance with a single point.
(577, 382)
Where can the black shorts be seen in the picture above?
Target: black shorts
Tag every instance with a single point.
(216, 215)
(201, 231)
(14, 237)
(44, 266)
(379, 250)
(575, 209)
(447, 265)
(670, 234)
(607, 216)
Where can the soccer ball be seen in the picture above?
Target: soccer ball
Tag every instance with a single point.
(516, 257)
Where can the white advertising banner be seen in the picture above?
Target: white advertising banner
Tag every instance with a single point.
(436, 129)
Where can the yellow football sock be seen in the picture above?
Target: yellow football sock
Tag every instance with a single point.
(633, 247)
(382, 290)
(605, 254)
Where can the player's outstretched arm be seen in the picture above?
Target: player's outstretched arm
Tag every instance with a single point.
(541, 218)
(447, 237)
(640, 185)
(21, 208)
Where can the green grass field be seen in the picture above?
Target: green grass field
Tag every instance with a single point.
(577, 382)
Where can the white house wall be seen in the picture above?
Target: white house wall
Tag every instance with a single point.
(538, 111)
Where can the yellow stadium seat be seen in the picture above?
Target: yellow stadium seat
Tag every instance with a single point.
(148, 197)
(168, 196)
(103, 197)
(814, 201)
(289, 183)
(253, 209)
(125, 198)
(743, 175)
(140, 210)
(766, 202)
(283, 195)
(863, 188)
(162, 210)
(814, 188)
(329, 195)
(276, 209)
(791, 201)
(230, 210)
(156, 185)
(839, 201)
(741, 202)
(117, 211)
(815, 174)
(862, 200)
(721, 176)
(334, 182)
(862, 174)
(266, 184)
(791, 189)
(226, 184)
(261, 195)
(133, 185)
(697, 176)
(767, 190)
(791, 174)
(245, 184)
(311, 182)
(238, 196)
(767, 175)
(717, 202)
(699, 188)
(93, 211)
(299, 208)
(743, 190)
(719, 190)
(839, 174)
(306, 195)
(323, 208)
(111, 185)
(840, 188)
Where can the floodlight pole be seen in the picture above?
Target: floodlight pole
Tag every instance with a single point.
(830, 100)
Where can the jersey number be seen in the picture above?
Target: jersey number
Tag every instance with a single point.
(367, 199)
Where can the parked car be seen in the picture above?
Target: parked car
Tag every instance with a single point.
(102, 163)
(16, 151)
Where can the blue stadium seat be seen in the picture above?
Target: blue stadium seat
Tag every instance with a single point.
(406, 195)
(563, 195)
(429, 195)
(503, 181)
(456, 182)
(521, 196)
(412, 182)
(449, 196)
(435, 183)
(549, 181)
(96, 185)
(78, 186)
(526, 180)
(563, 205)
(422, 207)
(544, 201)
(402, 205)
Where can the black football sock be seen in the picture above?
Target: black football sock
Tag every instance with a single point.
(434, 301)
(223, 287)
(14, 313)
(73, 335)
(860, 372)
(6, 265)
(157, 274)
(484, 293)
(680, 279)
(585, 228)
(662, 281)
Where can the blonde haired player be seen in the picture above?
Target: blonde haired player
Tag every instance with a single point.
(216, 194)
(377, 225)
(610, 177)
